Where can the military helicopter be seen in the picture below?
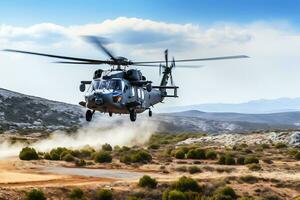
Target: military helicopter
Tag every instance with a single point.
(124, 91)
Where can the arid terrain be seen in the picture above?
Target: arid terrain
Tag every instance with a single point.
(275, 176)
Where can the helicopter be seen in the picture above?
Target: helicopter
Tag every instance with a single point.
(120, 90)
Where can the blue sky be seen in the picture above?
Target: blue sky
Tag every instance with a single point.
(70, 12)
(266, 30)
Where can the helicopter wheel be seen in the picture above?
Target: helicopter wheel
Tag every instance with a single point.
(132, 115)
(110, 114)
(89, 115)
(150, 113)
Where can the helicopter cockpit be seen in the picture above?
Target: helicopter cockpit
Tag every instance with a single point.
(109, 85)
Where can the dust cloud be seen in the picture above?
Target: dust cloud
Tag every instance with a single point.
(115, 131)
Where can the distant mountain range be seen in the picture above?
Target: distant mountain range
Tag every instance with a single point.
(23, 113)
(254, 107)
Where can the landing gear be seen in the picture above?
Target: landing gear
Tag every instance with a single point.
(150, 113)
(110, 114)
(89, 115)
(132, 115)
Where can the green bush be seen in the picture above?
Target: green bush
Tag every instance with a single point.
(77, 194)
(193, 196)
(240, 160)
(47, 156)
(221, 160)
(176, 195)
(68, 157)
(280, 145)
(211, 154)
(104, 194)
(297, 156)
(185, 184)
(28, 153)
(194, 170)
(86, 152)
(179, 154)
(196, 154)
(265, 146)
(55, 154)
(254, 167)
(80, 162)
(250, 160)
(35, 194)
(103, 157)
(229, 160)
(106, 147)
(141, 156)
(153, 146)
(125, 159)
(147, 181)
(224, 193)
(249, 179)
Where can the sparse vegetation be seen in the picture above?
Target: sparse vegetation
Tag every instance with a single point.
(104, 194)
(280, 145)
(194, 169)
(35, 194)
(224, 193)
(254, 167)
(250, 160)
(77, 194)
(103, 157)
(211, 154)
(180, 154)
(28, 153)
(107, 147)
(185, 184)
(148, 182)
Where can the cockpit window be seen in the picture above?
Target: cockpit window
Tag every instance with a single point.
(107, 84)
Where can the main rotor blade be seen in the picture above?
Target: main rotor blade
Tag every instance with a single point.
(57, 56)
(197, 59)
(180, 66)
(79, 63)
(98, 42)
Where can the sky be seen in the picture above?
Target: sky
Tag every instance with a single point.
(267, 31)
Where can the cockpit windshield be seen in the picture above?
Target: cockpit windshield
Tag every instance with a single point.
(114, 84)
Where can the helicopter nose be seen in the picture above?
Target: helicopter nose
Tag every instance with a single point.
(98, 98)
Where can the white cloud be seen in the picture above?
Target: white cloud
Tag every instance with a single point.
(270, 73)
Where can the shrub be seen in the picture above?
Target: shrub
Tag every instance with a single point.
(125, 159)
(196, 154)
(193, 196)
(80, 162)
(254, 167)
(68, 158)
(106, 147)
(194, 170)
(35, 194)
(221, 160)
(249, 179)
(176, 195)
(280, 145)
(103, 157)
(181, 169)
(265, 146)
(28, 153)
(240, 160)
(153, 146)
(77, 194)
(179, 154)
(86, 152)
(47, 156)
(297, 156)
(104, 194)
(211, 154)
(55, 154)
(147, 181)
(185, 184)
(229, 160)
(250, 160)
(141, 156)
(224, 193)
